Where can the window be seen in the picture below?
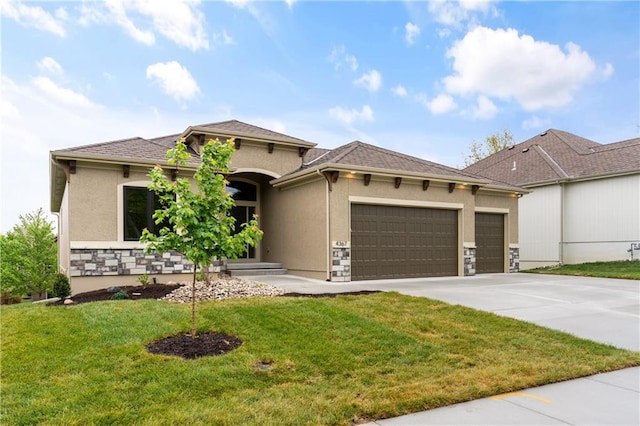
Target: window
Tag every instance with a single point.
(139, 206)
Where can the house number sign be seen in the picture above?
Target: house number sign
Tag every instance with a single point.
(341, 243)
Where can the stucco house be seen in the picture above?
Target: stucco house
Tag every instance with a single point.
(584, 200)
(355, 212)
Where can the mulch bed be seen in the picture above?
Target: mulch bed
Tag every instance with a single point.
(205, 344)
(152, 291)
(183, 345)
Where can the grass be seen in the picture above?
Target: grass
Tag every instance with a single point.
(334, 361)
(621, 269)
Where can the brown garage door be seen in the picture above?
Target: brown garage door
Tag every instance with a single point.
(489, 243)
(403, 242)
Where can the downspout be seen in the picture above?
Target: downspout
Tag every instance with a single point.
(328, 224)
(562, 218)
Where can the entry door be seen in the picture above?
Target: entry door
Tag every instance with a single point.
(490, 243)
(243, 214)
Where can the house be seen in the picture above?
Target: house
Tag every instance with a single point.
(584, 203)
(352, 213)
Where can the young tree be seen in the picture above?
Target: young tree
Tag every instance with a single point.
(28, 257)
(492, 144)
(197, 223)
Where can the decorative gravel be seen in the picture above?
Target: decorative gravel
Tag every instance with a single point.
(223, 288)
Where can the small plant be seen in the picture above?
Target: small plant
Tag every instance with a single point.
(202, 275)
(121, 295)
(61, 287)
(144, 280)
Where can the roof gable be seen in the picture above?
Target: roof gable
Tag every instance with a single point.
(239, 128)
(556, 155)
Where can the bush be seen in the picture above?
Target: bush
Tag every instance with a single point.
(144, 280)
(61, 287)
(121, 295)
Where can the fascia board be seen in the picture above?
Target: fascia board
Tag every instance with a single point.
(207, 130)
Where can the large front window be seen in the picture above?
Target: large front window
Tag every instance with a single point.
(139, 206)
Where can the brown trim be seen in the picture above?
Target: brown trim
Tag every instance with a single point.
(125, 170)
(367, 179)
(398, 181)
(174, 174)
(237, 142)
(271, 145)
(474, 189)
(425, 184)
(302, 151)
(452, 186)
(332, 177)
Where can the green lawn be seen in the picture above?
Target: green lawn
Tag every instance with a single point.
(622, 269)
(334, 361)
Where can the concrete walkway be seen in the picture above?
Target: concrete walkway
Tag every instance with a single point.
(599, 309)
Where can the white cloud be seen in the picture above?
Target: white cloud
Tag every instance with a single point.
(399, 90)
(174, 79)
(455, 12)
(223, 38)
(350, 116)
(180, 21)
(484, 109)
(339, 57)
(440, 104)
(607, 71)
(32, 16)
(49, 65)
(535, 122)
(62, 94)
(290, 3)
(411, 32)
(501, 63)
(372, 81)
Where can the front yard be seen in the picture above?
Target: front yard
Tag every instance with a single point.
(303, 361)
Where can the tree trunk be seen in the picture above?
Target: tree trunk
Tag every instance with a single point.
(193, 303)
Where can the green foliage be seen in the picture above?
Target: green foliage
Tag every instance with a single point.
(144, 280)
(121, 295)
(197, 222)
(492, 144)
(28, 256)
(332, 361)
(61, 287)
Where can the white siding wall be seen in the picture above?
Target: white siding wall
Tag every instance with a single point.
(539, 227)
(602, 218)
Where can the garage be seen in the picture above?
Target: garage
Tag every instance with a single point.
(403, 242)
(489, 243)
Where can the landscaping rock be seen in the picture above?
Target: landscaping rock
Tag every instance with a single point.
(113, 289)
(223, 287)
(68, 302)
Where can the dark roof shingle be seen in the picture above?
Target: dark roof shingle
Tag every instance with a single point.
(556, 155)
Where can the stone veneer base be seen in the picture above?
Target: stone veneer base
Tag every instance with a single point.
(105, 262)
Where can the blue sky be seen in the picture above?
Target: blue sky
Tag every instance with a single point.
(423, 78)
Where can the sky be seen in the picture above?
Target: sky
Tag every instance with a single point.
(423, 78)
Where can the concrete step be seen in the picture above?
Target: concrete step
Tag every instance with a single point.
(237, 266)
(249, 272)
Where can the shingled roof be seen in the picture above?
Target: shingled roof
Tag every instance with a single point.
(143, 150)
(239, 128)
(363, 154)
(555, 155)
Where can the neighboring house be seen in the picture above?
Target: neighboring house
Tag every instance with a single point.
(352, 213)
(584, 203)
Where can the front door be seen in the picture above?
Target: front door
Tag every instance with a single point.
(245, 194)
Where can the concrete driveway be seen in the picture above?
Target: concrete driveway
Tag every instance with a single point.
(600, 309)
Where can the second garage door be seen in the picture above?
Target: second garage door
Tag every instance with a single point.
(403, 242)
(489, 243)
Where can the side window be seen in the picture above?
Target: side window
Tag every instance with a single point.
(139, 206)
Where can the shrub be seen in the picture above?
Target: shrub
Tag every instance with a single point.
(121, 295)
(144, 280)
(61, 287)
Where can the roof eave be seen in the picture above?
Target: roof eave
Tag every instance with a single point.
(581, 178)
(110, 159)
(301, 174)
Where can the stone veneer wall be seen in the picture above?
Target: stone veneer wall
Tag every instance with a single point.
(341, 261)
(514, 259)
(469, 261)
(99, 262)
